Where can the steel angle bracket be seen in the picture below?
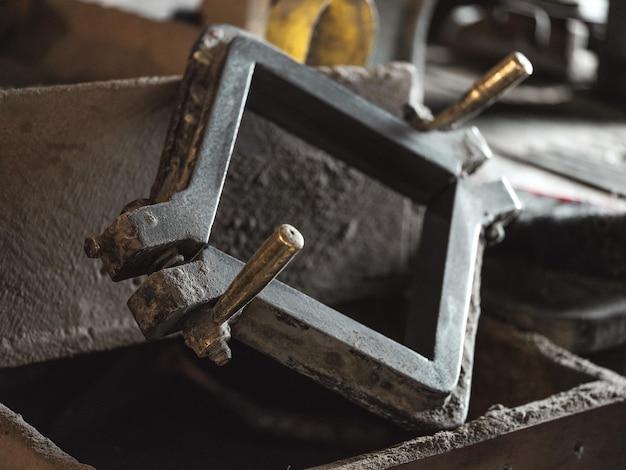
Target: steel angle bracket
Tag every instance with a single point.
(229, 72)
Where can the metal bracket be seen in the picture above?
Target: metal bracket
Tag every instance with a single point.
(230, 72)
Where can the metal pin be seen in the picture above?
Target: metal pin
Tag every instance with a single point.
(269, 260)
(507, 74)
(208, 335)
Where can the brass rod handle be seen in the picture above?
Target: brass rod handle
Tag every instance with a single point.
(208, 333)
(268, 261)
(504, 76)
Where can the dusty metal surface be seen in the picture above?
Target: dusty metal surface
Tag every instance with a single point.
(80, 147)
(573, 395)
(524, 437)
(573, 259)
(22, 446)
(93, 420)
(206, 123)
(587, 150)
(315, 340)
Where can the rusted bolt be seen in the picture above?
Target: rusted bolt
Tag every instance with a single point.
(92, 247)
(219, 352)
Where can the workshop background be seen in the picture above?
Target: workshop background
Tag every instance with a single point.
(507, 200)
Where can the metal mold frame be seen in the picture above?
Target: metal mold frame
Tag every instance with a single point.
(229, 72)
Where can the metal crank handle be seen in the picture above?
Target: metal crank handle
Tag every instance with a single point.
(208, 333)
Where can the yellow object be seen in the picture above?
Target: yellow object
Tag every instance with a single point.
(324, 32)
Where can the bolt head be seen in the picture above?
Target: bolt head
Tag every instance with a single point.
(92, 247)
(220, 353)
(495, 234)
(222, 358)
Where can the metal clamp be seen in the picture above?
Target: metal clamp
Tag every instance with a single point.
(227, 73)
